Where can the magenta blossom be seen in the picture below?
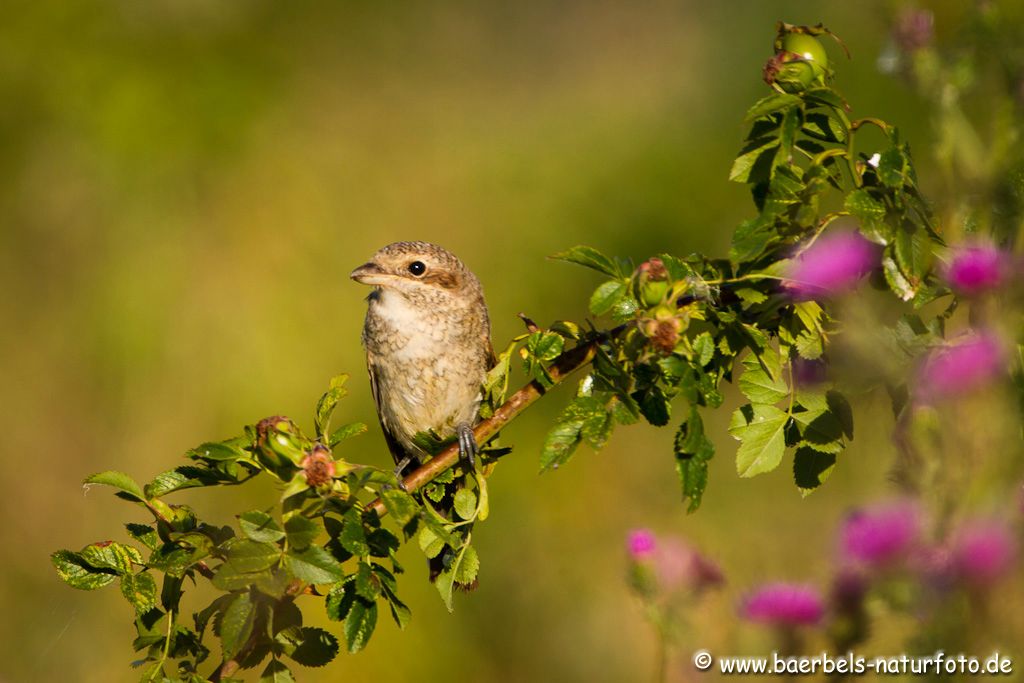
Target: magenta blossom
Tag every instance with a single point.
(833, 264)
(983, 551)
(669, 564)
(641, 544)
(784, 604)
(880, 535)
(679, 566)
(970, 363)
(973, 270)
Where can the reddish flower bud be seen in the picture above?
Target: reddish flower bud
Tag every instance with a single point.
(319, 466)
(665, 334)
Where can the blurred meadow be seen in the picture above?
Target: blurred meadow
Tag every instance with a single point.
(188, 185)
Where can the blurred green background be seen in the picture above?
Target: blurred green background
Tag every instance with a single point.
(187, 185)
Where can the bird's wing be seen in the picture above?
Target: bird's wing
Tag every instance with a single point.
(398, 453)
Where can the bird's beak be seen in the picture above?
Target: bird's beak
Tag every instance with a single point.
(369, 274)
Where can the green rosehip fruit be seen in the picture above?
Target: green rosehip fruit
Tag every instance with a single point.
(651, 282)
(279, 442)
(801, 60)
(653, 293)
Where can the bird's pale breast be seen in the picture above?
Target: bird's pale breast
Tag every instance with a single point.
(428, 362)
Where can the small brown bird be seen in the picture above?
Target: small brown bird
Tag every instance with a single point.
(428, 346)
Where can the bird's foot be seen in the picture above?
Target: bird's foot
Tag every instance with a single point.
(467, 444)
(400, 471)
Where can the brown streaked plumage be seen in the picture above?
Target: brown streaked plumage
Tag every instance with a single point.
(428, 347)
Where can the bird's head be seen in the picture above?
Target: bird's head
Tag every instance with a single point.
(418, 270)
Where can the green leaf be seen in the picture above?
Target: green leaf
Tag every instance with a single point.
(811, 468)
(217, 451)
(316, 647)
(761, 431)
(693, 450)
(325, 406)
(754, 161)
(140, 590)
(314, 565)
(606, 296)
(260, 526)
(465, 504)
(892, 167)
(152, 671)
(862, 205)
(564, 437)
(559, 445)
(895, 278)
(402, 507)
(484, 507)
(127, 486)
(840, 407)
(704, 348)
(246, 555)
(400, 612)
(345, 432)
(276, 672)
(359, 624)
(545, 346)
(821, 430)
(340, 599)
(757, 385)
(824, 127)
(913, 254)
(467, 566)
(229, 578)
(185, 477)
(236, 624)
(367, 585)
(596, 429)
(445, 585)
(110, 555)
(301, 531)
(144, 534)
(751, 238)
(353, 534)
(430, 543)
(750, 296)
(654, 405)
(589, 258)
(625, 309)
(75, 572)
(771, 104)
(791, 122)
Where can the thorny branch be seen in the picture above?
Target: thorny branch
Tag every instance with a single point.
(567, 363)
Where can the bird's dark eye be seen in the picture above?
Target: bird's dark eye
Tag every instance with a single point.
(417, 268)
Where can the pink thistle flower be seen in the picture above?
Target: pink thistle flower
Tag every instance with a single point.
(880, 535)
(983, 552)
(641, 544)
(833, 264)
(914, 30)
(679, 566)
(977, 269)
(784, 604)
(971, 363)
